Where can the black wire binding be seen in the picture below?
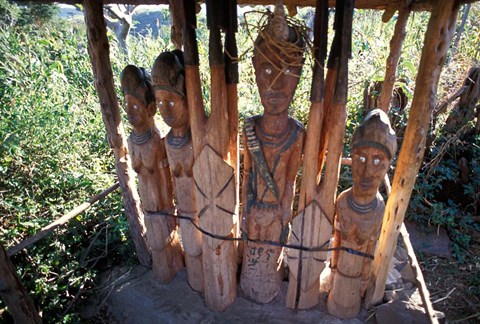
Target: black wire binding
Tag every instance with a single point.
(320, 248)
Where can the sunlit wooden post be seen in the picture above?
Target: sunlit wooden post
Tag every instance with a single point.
(437, 40)
(19, 303)
(99, 52)
(392, 61)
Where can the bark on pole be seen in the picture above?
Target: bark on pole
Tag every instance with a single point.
(392, 61)
(20, 304)
(437, 40)
(98, 50)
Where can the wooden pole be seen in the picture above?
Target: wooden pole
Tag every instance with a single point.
(304, 269)
(18, 301)
(59, 222)
(437, 40)
(98, 49)
(231, 76)
(392, 61)
(213, 170)
(422, 287)
(313, 225)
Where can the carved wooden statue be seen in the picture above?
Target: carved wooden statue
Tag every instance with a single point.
(213, 169)
(149, 160)
(274, 143)
(359, 214)
(168, 76)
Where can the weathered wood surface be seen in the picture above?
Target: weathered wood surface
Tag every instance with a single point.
(393, 57)
(437, 40)
(181, 163)
(317, 195)
(358, 215)
(419, 5)
(272, 156)
(232, 79)
(216, 201)
(156, 195)
(61, 221)
(358, 232)
(16, 298)
(169, 89)
(311, 224)
(98, 50)
(424, 293)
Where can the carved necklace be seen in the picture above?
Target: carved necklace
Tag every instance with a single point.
(359, 208)
(274, 140)
(179, 141)
(142, 138)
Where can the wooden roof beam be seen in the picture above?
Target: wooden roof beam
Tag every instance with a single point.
(417, 5)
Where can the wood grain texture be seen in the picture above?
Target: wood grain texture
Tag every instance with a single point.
(181, 164)
(317, 195)
(98, 50)
(437, 40)
(393, 57)
(20, 304)
(216, 201)
(419, 5)
(156, 195)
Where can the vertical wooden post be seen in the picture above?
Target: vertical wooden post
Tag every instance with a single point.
(392, 60)
(213, 171)
(437, 40)
(19, 303)
(98, 49)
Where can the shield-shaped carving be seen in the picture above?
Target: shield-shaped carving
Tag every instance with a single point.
(215, 184)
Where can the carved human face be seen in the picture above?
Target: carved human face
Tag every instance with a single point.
(369, 166)
(276, 80)
(138, 113)
(172, 107)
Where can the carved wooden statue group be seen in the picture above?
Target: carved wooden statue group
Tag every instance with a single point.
(187, 186)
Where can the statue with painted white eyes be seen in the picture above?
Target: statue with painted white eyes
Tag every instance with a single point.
(168, 75)
(359, 214)
(149, 160)
(274, 144)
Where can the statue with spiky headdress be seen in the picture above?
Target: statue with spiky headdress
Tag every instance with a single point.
(168, 75)
(149, 160)
(274, 143)
(359, 214)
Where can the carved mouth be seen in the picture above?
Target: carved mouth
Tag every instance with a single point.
(274, 97)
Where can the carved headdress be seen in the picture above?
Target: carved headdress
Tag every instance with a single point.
(376, 131)
(283, 37)
(168, 72)
(136, 81)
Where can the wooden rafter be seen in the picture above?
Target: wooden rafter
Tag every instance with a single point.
(417, 5)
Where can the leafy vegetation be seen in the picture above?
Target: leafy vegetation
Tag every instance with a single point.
(54, 156)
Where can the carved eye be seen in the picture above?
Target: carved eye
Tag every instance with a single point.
(362, 159)
(160, 103)
(135, 107)
(376, 161)
(268, 71)
(171, 104)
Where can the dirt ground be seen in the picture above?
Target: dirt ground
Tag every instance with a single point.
(455, 287)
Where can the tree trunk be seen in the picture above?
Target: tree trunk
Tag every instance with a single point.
(18, 301)
(393, 58)
(98, 49)
(437, 40)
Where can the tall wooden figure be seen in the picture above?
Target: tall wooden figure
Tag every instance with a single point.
(213, 169)
(274, 143)
(168, 76)
(149, 160)
(359, 214)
